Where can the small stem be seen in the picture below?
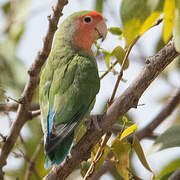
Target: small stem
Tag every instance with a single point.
(27, 158)
(31, 165)
(121, 71)
(97, 157)
(106, 72)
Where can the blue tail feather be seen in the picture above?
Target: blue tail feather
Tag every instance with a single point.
(58, 154)
(50, 120)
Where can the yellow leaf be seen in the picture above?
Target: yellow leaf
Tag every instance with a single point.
(169, 17)
(121, 151)
(131, 29)
(139, 151)
(128, 131)
(177, 27)
(149, 22)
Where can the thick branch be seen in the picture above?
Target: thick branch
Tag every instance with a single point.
(31, 85)
(129, 99)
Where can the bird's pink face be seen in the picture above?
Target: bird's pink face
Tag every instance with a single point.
(90, 27)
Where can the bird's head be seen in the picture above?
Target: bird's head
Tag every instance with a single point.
(85, 27)
(90, 27)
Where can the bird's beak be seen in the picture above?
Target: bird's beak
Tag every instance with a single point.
(101, 29)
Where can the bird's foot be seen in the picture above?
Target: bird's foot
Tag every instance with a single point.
(93, 119)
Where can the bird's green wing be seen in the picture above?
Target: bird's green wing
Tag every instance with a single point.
(71, 90)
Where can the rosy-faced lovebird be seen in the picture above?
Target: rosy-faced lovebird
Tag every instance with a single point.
(69, 82)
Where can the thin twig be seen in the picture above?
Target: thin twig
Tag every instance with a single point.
(27, 158)
(121, 71)
(31, 85)
(12, 107)
(34, 114)
(109, 69)
(31, 165)
(98, 155)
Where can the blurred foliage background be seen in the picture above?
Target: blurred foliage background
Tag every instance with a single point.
(133, 19)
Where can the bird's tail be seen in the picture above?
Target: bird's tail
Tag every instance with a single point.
(58, 154)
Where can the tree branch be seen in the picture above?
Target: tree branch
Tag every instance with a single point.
(12, 107)
(129, 99)
(147, 132)
(31, 85)
(161, 116)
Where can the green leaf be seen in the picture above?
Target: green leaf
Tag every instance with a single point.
(115, 30)
(155, 5)
(107, 56)
(170, 168)
(119, 53)
(134, 9)
(6, 7)
(99, 5)
(121, 151)
(158, 4)
(177, 26)
(169, 16)
(139, 151)
(170, 138)
(133, 14)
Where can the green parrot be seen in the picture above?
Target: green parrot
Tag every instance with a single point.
(69, 82)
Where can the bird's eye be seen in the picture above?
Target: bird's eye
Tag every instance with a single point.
(87, 19)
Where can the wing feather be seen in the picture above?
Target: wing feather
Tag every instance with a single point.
(72, 90)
